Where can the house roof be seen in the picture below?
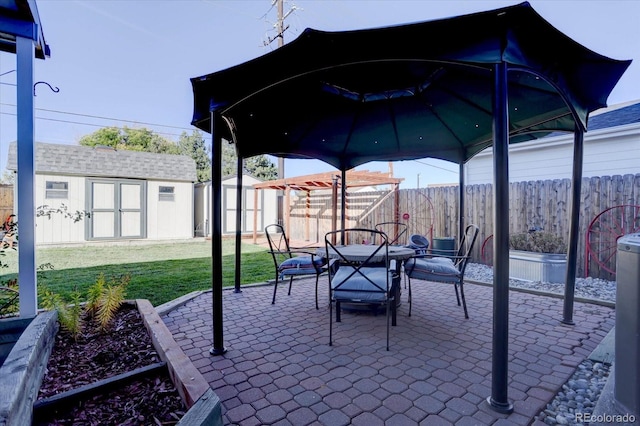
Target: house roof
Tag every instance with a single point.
(618, 117)
(107, 162)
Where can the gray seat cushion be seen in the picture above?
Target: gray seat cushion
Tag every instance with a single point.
(434, 269)
(359, 288)
(302, 265)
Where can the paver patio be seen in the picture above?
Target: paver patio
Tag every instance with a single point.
(279, 368)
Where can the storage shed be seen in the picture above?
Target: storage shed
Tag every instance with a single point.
(259, 208)
(127, 194)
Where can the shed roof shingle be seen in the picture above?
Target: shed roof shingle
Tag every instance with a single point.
(95, 162)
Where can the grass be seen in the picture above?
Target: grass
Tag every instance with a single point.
(158, 272)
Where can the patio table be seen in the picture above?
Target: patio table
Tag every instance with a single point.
(361, 252)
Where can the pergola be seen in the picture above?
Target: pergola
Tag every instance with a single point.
(328, 180)
(443, 89)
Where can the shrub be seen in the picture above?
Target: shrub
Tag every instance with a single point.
(538, 242)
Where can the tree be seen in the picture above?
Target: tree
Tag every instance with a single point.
(259, 166)
(194, 146)
(229, 159)
(130, 139)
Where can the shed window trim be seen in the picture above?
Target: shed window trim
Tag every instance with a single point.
(166, 193)
(58, 190)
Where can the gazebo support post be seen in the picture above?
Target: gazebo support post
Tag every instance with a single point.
(240, 168)
(307, 215)
(572, 252)
(255, 215)
(216, 236)
(343, 206)
(286, 212)
(498, 400)
(334, 207)
(461, 221)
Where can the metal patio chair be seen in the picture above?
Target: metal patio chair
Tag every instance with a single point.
(291, 262)
(444, 269)
(364, 280)
(396, 231)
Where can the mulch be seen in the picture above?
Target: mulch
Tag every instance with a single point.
(97, 355)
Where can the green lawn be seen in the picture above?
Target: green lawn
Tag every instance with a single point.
(158, 272)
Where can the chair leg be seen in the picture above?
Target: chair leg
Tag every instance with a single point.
(330, 323)
(464, 302)
(388, 309)
(275, 287)
(395, 292)
(409, 280)
(338, 319)
(457, 295)
(394, 310)
(290, 283)
(317, 278)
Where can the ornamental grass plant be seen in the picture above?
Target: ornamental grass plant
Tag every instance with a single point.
(538, 242)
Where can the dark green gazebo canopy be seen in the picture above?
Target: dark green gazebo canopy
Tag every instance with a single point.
(406, 92)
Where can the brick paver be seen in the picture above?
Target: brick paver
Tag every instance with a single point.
(279, 368)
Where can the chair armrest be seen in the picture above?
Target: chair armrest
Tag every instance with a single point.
(456, 260)
(304, 252)
(295, 251)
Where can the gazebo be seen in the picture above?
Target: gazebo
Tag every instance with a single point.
(406, 92)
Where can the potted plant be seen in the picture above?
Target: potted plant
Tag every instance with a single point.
(537, 256)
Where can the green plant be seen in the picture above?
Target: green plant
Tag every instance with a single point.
(538, 242)
(94, 294)
(48, 211)
(9, 298)
(105, 299)
(69, 315)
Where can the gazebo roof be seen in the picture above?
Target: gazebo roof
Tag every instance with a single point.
(421, 90)
(354, 178)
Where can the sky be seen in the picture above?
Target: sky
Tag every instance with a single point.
(129, 63)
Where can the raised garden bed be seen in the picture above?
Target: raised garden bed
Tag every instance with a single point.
(163, 366)
(531, 266)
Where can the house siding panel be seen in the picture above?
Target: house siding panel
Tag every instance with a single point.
(56, 228)
(170, 219)
(608, 151)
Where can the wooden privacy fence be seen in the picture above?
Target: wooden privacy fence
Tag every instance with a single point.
(543, 205)
(6, 201)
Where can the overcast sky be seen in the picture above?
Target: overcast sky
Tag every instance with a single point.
(129, 62)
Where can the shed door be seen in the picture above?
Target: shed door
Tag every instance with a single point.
(229, 203)
(117, 209)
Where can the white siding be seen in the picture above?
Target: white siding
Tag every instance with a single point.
(607, 152)
(57, 228)
(168, 219)
(267, 206)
